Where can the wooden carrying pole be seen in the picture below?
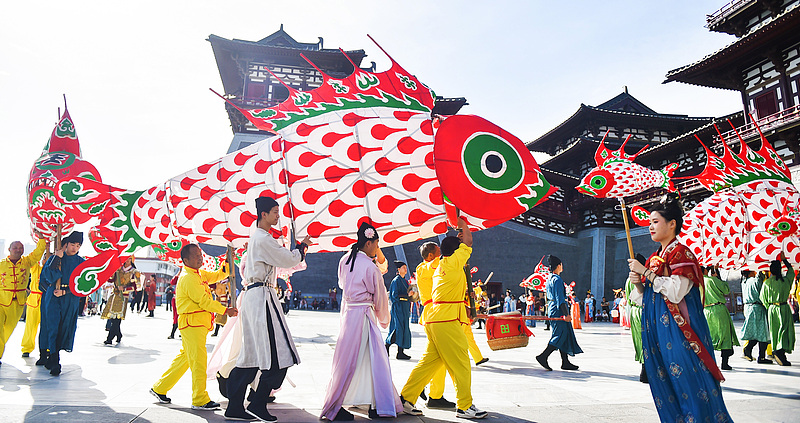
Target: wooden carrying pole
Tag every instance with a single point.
(627, 226)
(231, 278)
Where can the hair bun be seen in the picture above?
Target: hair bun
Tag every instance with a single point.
(672, 200)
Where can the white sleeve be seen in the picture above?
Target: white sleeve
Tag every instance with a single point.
(383, 267)
(635, 296)
(673, 287)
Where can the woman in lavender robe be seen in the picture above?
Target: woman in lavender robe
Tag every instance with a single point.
(360, 372)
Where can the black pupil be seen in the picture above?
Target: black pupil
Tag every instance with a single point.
(493, 163)
(597, 182)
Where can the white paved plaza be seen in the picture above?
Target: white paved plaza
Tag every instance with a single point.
(110, 384)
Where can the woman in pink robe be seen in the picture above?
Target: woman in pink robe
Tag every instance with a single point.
(360, 373)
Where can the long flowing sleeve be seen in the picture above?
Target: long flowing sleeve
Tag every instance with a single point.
(673, 287)
(50, 273)
(380, 299)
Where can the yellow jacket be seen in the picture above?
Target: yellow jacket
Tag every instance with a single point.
(193, 299)
(425, 272)
(450, 288)
(14, 277)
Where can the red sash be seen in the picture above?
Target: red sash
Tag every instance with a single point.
(683, 263)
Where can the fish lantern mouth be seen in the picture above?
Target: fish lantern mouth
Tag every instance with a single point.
(486, 171)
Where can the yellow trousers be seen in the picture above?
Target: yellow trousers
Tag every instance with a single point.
(473, 347)
(437, 382)
(32, 320)
(9, 317)
(447, 345)
(193, 356)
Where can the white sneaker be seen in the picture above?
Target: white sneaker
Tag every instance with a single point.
(409, 408)
(471, 413)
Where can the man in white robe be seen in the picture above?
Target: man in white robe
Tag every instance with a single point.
(267, 343)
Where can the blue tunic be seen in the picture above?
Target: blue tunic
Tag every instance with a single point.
(59, 314)
(562, 334)
(401, 312)
(683, 389)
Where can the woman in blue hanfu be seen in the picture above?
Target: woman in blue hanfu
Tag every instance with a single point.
(676, 343)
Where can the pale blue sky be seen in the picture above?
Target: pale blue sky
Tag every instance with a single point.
(137, 74)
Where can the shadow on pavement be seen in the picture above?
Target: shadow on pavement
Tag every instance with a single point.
(133, 355)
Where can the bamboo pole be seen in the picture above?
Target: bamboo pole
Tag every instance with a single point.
(231, 278)
(627, 226)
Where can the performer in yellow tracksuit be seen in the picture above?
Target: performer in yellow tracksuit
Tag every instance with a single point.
(196, 308)
(447, 343)
(34, 314)
(14, 275)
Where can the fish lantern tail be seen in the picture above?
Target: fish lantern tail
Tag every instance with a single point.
(667, 172)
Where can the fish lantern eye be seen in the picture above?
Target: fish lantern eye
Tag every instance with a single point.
(784, 226)
(598, 182)
(491, 163)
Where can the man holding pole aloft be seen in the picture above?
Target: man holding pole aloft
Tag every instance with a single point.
(267, 343)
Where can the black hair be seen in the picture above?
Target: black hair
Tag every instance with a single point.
(670, 208)
(427, 249)
(450, 245)
(747, 273)
(553, 262)
(186, 250)
(775, 269)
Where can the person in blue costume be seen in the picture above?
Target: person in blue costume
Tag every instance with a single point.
(676, 342)
(562, 336)
(60, 317)
(399, 330)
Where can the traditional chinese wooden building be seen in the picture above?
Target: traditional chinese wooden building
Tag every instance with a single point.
(763, 64)
(243, 67)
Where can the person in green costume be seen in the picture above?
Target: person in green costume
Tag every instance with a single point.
(719, 319)
(774, 294)
(755, 329)
(635, 318)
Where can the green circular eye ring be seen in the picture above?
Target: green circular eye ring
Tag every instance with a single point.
(784, 226)
(482, 147)
(598, 182)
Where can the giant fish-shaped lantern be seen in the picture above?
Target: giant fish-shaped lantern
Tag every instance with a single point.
(60, 158)
(753, 214)
(617, 176)
(360, 148)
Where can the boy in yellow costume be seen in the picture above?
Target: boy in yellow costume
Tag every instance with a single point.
(14, 273)
(196, 310)
(447, 343)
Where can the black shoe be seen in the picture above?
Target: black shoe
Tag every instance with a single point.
(56, 370)
(726, 366)
(41, 361)
(239, 417)
(568, 366)
(747, 357)
(483, 360)
(107, 342)
(373, 413)
(643, 376)
(543, 362)
(211, 405)
(161, 398)
(262, 415)
(344, 415)
(764, 361)
(26, 355)
(270, 399)
(402, 356)
(440, 403)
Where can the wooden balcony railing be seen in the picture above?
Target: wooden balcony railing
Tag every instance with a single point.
(767, 123)
(726, 11)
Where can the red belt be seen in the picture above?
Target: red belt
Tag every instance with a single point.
(427, 302)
